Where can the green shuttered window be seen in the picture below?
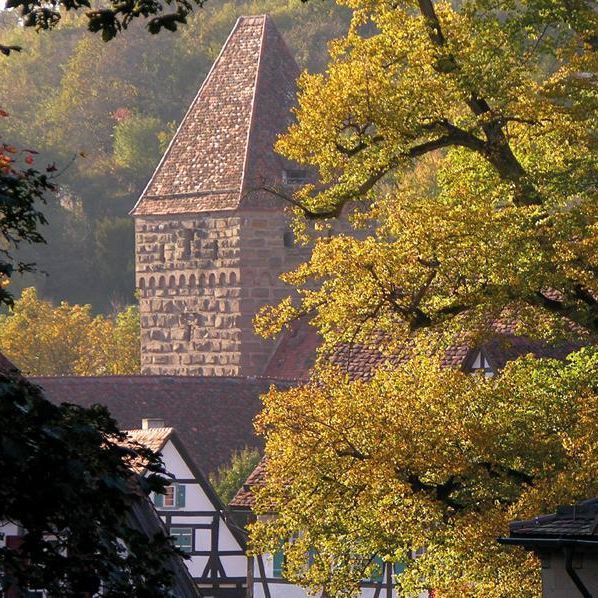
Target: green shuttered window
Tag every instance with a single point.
(173, 499)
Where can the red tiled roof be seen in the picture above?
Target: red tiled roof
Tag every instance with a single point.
(213, 416)
(223, 147)
(295, 354)
(152, 438)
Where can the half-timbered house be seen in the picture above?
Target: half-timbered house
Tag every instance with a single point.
(195, 517)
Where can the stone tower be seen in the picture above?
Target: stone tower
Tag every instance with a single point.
(209, 245)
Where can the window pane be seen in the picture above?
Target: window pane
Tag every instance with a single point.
(278, 559)
(169, 497)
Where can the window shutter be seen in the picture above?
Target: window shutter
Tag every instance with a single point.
(180, 495)
(158, 500)
(378, 572)
(277, 561)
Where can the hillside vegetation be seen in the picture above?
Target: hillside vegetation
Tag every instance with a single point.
(104, 113)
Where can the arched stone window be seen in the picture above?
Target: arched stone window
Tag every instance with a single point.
(182, 281)
(212, 280)
(172, 282)
(192, 281)
(233, 279)
(222, 279)
(162, 282)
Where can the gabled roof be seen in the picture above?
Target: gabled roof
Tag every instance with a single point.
(152, 438)
(224, 146)
(213, 416)
(155, 439)
(244, 499)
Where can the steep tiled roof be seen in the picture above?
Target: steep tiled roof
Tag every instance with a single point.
(295, 353)
(223, 147)
(579, 521)
(152, 438)
(213, 416)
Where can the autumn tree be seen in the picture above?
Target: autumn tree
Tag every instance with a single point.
(229, 478)
(456, 141)
(43, 339)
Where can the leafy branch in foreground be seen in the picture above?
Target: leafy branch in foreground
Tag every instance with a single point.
(495, 103)
(109, 18)
(67, 480)
(22, 190)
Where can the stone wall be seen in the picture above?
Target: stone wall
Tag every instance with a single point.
(201, 279)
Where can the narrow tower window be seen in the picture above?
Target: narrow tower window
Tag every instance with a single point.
(294, 177)
(481, 364)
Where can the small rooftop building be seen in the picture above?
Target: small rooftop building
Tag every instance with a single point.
(567, 544)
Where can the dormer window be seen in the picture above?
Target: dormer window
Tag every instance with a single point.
(481, 364)
(294, 177)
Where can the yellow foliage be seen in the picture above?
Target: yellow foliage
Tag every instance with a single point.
(43, 339)
(470, 159)
(458, 140)
(426, 457)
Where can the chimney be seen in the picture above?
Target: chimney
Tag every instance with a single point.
(151, 422)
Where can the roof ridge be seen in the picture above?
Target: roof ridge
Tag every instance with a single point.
(161, 377)
(252, 110)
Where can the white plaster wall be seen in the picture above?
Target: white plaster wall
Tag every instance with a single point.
(556, 582)
(174, 462)
(7, 529)
(196, 565)
(197, 500)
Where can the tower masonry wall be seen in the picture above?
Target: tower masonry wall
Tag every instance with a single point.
(201, 279)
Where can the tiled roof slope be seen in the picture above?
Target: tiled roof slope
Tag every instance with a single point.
(244, 499)
(213, 416)
(296, 350)
(224, 143)
(576, 521)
